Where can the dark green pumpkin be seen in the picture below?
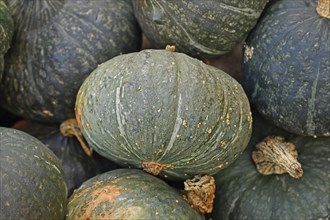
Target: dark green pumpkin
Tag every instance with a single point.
(57, 44)
(77, 166)
(243, 193)
(128, 194)
(164, 110)
(200, 29)
(287, 65)
(33, 185)
(6, 32)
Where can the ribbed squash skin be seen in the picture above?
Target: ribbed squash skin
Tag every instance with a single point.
(200, 29)
(6, 32)
(164, 107)
(128, 194)
(32, 180)
(287, 77)
(77, 166)
(243, 193)
(57, 44)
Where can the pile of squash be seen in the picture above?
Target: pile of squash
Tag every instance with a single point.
(159, 109)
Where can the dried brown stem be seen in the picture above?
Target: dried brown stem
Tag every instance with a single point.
(199, 193)
(274, 155)
(323, 8)
(69, 128)
(170, 48)
(155, 168)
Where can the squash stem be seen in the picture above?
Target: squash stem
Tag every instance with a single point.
(199, 192)
(274, 155)
(323, 8)
(69, 128)
(170, 48)
(155, 168)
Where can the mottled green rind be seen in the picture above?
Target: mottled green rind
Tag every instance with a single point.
(77, 166)
(32, 180)
(54, 51)
(6, 32)
(287, 78)
(200, 29)
(243, 193)
(128, 194)
(164, 107)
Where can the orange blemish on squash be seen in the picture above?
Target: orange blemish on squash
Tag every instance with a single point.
(97, 195)
(77, 115)
(107, 193)
(84, 191)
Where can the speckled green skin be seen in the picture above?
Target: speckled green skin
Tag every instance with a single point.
(164, 107)
(200, 29)
(128, 194)
(6, 32)
(243, 193)
(77, 166)
(32, 180)
(55, 50)
(287, 78)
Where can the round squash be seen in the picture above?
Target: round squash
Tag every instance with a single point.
(33, 185)
(128, 194)
(77, 166)
(287, 65)
(201, 29)
(6, 32)
(57, 44)
(244, 193)
(164, 111)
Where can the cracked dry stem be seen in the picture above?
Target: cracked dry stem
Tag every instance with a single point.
(155, 168)
(199, 192)
(275, 156)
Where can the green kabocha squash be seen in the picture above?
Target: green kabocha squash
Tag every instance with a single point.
(56, 45)
(200, 29)
(128, 194)
(77, 166)
(6, 32)
(33, 185)
(287, 65)
(164, 111)
(244, 193)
